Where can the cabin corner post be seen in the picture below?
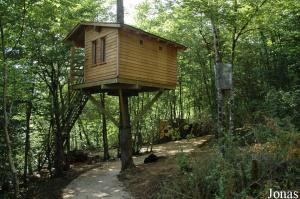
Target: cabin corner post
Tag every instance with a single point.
(125, 132)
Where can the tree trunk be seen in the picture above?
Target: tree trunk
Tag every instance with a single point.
(218, 63)
(49, 148)
(88, 142)
(120, 12)
(174, 106)
(59, 156)
(180, 100)
(119, 135)
(138, 135)
(104, 131)
(6, 120)
(139, 127)
(231, 93)
(27, 140)
(125, 136)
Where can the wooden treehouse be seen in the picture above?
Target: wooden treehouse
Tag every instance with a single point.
(120, 60)
(119, 56)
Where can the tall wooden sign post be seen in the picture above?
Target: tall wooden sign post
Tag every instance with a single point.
(223, 76)
(223, 80)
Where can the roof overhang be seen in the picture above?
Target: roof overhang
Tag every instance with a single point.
(76, 36)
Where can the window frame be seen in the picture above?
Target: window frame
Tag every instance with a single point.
(103, 50)
(94, 52)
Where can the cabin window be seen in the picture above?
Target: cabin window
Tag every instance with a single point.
(160, 48)
(94, 52)
(141, 42)
(103, 50)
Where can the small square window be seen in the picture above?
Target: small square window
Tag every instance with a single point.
(160, 48)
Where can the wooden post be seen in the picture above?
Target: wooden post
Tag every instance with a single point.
(125, 133)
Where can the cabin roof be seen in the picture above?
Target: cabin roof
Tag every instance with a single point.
(77, 34)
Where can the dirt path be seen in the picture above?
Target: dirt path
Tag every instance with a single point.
(102, 182)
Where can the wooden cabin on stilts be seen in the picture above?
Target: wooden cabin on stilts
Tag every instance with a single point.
(122, 61)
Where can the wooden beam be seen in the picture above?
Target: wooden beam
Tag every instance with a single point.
(129, 93)
(147, 107)
(102, 110)
(120, 86)
(96, 84)
(147, 84)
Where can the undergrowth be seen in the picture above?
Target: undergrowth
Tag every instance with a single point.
(237, 167)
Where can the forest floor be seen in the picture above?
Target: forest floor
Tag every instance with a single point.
(146, 179)
(103, 182)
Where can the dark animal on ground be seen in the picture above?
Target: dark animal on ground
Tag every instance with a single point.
(150, 158)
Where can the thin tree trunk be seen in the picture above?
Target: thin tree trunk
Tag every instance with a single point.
(153, 129)
(88, 142)
(231, 93)
(119, 135)
(27, 140)
(59, 156)
(49, 144)
(139, 130)
(5, 118)
(136, 111)
(174, 105)
(104, 131)
(218, 63)
(180, 99)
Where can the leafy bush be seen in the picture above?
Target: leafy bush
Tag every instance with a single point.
(283, 104)
(183, 161)
(175, 134)
(232, 171)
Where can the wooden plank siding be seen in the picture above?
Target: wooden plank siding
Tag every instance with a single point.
(150, 64)
(146, 62)
(101, 71)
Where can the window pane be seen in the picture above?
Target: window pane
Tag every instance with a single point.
(94, 52)
(103, 50)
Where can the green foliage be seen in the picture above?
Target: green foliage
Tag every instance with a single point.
(242, 172)
(283, 104)
(174, 133)
(266, 80)
(189, 136)
(183, 161)
(33, 33)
